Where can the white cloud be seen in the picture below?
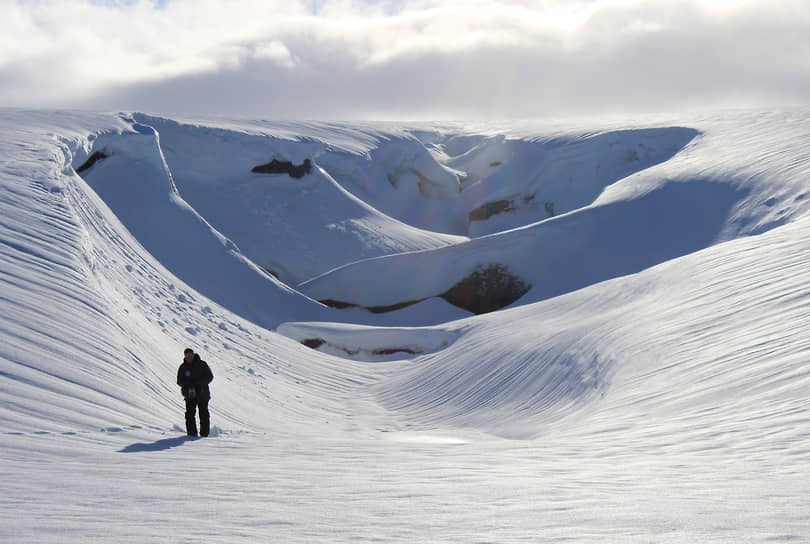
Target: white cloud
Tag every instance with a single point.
(420, 58)
(275, 51)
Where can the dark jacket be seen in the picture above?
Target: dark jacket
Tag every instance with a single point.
(196, 374)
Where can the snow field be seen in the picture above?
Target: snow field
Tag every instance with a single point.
(651, 386)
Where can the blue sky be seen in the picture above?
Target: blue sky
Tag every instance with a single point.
(405, 59)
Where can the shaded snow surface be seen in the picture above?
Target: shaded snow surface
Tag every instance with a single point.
(651, 385)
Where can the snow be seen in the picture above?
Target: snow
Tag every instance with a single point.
(298, 228)
(650, 386)
(363, 343)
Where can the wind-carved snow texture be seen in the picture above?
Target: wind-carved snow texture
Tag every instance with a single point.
(651, 384)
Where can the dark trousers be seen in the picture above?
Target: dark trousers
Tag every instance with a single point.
(192, 405)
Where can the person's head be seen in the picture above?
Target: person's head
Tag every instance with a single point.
(188, 355)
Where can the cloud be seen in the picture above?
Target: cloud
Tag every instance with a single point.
(274, 51)
(405, 59)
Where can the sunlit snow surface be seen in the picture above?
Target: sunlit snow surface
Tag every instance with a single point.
(651, 386)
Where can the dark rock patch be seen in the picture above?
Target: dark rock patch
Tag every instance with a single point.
(313, 343)
(341, 305)
(392, 307)
(338, 304)
(487, 289)
(276, 166)
(485, 211)
(91, 160)
(392, 351)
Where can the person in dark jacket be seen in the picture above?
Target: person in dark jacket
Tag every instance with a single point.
(193, 377)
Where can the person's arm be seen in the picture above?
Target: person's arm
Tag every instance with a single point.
(186, 383)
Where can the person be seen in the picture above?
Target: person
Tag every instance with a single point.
(193, 377)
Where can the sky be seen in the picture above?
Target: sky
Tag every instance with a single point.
(404, 59)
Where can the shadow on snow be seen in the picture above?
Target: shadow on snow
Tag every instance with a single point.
(159, 445)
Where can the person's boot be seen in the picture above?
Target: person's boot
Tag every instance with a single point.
(204, 422)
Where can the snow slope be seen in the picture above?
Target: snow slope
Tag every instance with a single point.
(297, 228)
(651, 385)
(706, 194)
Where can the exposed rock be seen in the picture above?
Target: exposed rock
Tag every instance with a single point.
(285, 167)
(485, 211)
(341, 305)
(313, 343)
(338, 304)
(392, 351)
(487, 289)
(91, 160)
(393, 307)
